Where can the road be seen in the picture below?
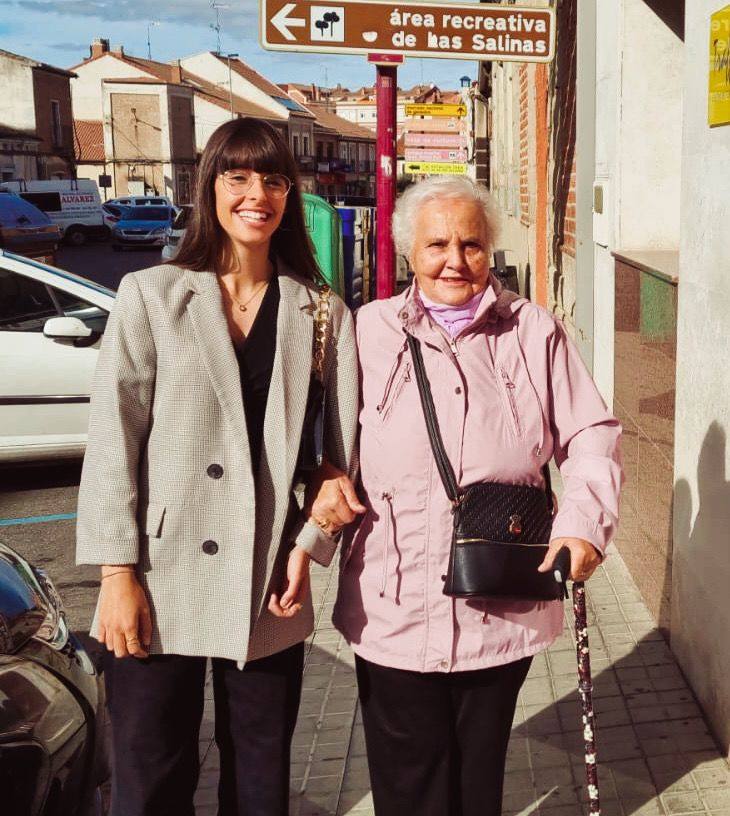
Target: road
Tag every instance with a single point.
(28, 492)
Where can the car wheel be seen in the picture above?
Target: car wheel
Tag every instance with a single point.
(75, 236)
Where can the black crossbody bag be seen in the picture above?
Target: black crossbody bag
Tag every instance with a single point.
(501, 531)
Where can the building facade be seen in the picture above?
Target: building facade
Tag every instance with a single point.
(608, 159)
(35, 110)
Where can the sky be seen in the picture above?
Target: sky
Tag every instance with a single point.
(59, 32)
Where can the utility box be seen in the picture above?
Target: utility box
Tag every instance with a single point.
(324, 227)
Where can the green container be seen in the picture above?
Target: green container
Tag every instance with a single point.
(323, 225)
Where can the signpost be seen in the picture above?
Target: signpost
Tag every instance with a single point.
(419, 154)
(435, 109)
(453, 31)
(453, 140)
(435, 168)
(387, 32)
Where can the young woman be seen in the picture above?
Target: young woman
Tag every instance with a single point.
(187, 497)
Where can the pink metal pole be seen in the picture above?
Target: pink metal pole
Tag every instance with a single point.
(386, 91)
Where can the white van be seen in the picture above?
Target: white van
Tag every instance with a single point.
(73, 204)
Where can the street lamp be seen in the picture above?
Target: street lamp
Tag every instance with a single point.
(465, 81)
(150, 25)
(229, 57)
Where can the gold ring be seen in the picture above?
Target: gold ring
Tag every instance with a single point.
(323, 525)
(132, 640)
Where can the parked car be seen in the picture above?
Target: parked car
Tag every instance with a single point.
(51, 324)
(142, 226)
(73, 204)
(54, 732)
(112, 213)
(141, 201)
(175, 232)
(25, 229)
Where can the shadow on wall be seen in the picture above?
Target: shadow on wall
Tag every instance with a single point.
(705, 543)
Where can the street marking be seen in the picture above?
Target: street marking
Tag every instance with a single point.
(10, 522)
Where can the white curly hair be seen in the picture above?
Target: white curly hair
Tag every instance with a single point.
(440, 187)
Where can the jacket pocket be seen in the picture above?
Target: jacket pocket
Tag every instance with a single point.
(153, 516)
(507, 388)
(393, 388)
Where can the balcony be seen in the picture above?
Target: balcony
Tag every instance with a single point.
(306, 163)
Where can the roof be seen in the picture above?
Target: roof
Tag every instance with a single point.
(8, 132)
(263, 84)
(89, 140)
(330, 120)
(218, 96)
(140, 81)
(43, 66)
(161, 70)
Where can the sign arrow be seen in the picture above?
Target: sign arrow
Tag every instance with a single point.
(282, 22)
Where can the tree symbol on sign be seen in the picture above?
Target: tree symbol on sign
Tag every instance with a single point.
(330, 18)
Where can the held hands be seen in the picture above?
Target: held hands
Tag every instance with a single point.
(330, 500)
(125, 623)
(297, 586)
(584, 557)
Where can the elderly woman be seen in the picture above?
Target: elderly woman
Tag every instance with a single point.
(439, 676)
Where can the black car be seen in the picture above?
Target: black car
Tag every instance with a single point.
(53, 728)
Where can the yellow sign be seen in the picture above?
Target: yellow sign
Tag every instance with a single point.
(435, 109)
(435, 168)
(718, 110)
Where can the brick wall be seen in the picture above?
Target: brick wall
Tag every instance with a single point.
(524, 113)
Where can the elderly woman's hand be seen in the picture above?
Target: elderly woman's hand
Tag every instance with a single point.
(330, 500)
(584, 557)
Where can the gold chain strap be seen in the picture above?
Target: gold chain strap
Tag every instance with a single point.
(321, 322)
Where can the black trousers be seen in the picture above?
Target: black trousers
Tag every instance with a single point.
(156, 706)
(437, 742)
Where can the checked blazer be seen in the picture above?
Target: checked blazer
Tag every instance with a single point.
(167, 482)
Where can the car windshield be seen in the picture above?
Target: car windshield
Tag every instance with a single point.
(148, 214)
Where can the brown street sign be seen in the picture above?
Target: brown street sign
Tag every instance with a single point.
(453, 31)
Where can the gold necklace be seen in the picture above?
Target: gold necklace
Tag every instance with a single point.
(243, 307)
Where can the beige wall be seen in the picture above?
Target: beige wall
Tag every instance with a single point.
(136, 126)
(16, 99)
(87, 89)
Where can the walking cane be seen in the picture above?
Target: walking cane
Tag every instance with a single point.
(585, 688)
(561, 568)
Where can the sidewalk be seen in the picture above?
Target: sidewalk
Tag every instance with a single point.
(656, 755)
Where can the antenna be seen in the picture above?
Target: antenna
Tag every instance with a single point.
(217, 25)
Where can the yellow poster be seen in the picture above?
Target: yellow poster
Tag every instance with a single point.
(718, 109)
(435, 168)
(435, 109)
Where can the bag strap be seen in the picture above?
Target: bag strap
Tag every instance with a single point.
(321, 322)
(443, 464)
(434, 432)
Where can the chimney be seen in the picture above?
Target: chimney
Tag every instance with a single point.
(176, 73)
(117, 50)
(98, 47)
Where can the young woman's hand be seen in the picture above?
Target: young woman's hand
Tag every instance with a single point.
(125, 622)
(330, 499)
(297, 586)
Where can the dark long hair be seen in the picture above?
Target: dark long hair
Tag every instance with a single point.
(246, 142)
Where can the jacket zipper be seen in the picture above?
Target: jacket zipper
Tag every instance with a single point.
(395, 389)
(510, 390)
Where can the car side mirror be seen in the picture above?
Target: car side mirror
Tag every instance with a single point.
(66, 327)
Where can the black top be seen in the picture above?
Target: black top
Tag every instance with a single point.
(256, 362)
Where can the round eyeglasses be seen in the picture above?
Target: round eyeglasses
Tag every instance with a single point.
(239, 182)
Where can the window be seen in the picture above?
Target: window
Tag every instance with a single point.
(48, 202)
(305, 148)
(56, 122)
(25, 303)
(295, 141)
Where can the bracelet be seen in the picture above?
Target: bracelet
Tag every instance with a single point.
(118, 572)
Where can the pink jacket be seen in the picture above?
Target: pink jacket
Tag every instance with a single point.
(510, 392)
